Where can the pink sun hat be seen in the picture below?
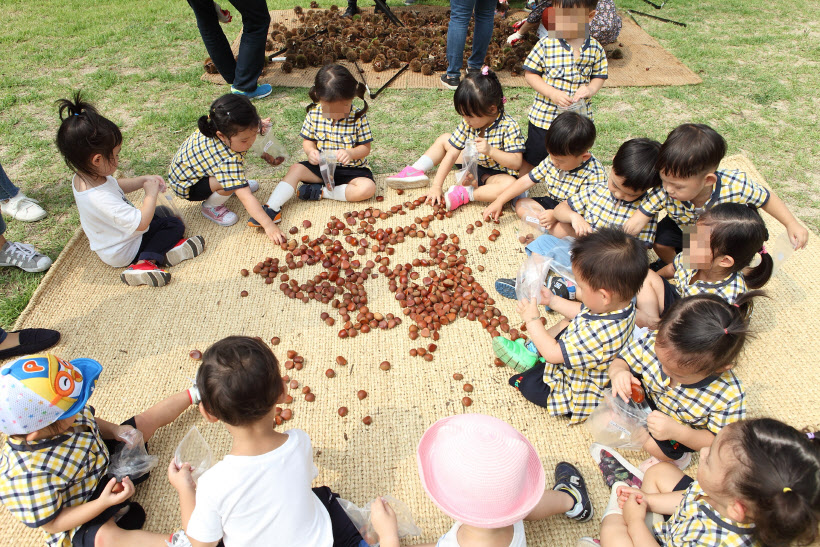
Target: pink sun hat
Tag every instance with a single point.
(480, 470)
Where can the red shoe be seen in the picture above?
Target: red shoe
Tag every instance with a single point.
(145, 273)
(186, 248)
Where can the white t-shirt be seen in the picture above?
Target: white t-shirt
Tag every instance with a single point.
(110, 222)
(262, 500)
(450, 539)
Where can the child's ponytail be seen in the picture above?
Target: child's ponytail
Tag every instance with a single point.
(478, 92)
(777, 479)
(84, 133)
(760, 274)
(229, 115)
(336, 83)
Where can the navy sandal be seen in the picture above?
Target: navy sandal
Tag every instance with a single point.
(311, 192)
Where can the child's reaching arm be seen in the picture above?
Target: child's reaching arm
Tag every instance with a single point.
(255, 210)
(546, 345)
(311, 151)
(564, 213)
(434, 196)
(185, 486)
(358, 152)
(510, 160)
(384, 523)
(798, 235)
(665, 503)
(664, 428)
(567, 308)
(636, 223)
(555, 95)
(72, 517)
(153, 185)
(521, 185)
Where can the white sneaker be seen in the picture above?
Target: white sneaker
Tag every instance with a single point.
(179, 539)
(220, 214)
(23, 256)
(23, 208)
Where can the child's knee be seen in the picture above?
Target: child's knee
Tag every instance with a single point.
(109, 534)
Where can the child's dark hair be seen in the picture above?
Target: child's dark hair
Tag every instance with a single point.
(777, 478)
(229, 115)
(738, 231)
(705, 332)
(690, 150)
(612, 260)
(570, 134)
(588, 4)
(336, 83)
(635, 162)
(478, 93)
(83, 134)
(239, 380)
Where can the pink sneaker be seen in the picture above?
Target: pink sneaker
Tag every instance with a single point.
(409, 177)
(220, 214)
(456, 196)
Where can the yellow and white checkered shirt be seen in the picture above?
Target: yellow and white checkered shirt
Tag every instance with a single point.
(554, 61)
(695, 523)
(732, 186)
(589, 343)
(562, 185)
(40, 478)
(728, 289)
(504, 134)
(600, 209)
(712, 403)
(200, 156)
(331, 135)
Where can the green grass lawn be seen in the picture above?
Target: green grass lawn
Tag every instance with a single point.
(140, 64)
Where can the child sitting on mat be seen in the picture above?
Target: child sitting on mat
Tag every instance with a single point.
(479, 100)
(610, 267)
(117, 231)
(726, 239)
(260, 493)
(54, 462)
(332, 124)
(483, 473)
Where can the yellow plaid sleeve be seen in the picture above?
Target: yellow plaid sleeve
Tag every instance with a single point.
(230, 174)
(634, 353)
(653, 201)
(730, 403)
(459, 137)
(308, 131)
(363, 133)
(536, 61)
(599, 65)
(737, 187)
(513, 139)
(578, 202)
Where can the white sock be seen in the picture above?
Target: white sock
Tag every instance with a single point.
(338, 193)
(281, 194)
(423, 164)
(216, 199)
(612, 506)
(470, 192)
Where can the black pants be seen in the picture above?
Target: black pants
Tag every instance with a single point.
(345, 533)
(162, 235)
(243, 72)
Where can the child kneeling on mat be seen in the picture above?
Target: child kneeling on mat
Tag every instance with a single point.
(260, 493)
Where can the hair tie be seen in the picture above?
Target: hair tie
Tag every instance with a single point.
(736, 305)
(76, 113)
(503, 100)
(725, 331)
(786, 489)
(763, 250)
(810, 436)
(485, 70)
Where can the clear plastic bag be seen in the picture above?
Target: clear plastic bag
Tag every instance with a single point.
(780, 250)
(557, 249)
(619, 424)
(166, 206)
(268, 147)
(530, 278)
(468, 174)
(327, 167)
(360, 516)
(130, 459)
(530, 227)
(579, 107)
(195, 450)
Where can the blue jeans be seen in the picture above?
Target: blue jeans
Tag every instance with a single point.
(242, 72)
(7, 189)
(461, 11)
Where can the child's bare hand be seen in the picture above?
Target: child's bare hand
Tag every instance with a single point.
(547, 219)
(384, 520)
(493, 211)
(117, 492)
(482, 146)
(546, 296)
(528, 309)
(180, 477)
(275, 234)
(583, 92)
(634, 509)
(265, 126)
(661, 426)
(561, 99)
(624, 493)
(581, 226)
(622, 384)
(314, 157)
(153, 185)
(798, 235)
(434, 196)
(343, 156)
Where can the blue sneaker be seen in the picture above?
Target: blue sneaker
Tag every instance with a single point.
(262, 90)
(569, 480)
(505, 287)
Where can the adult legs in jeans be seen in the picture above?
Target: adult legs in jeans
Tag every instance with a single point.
(7, 189)
(243, 72)
(461, 11)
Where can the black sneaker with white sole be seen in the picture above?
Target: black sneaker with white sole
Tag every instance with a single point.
(569, 480)
(450, 82)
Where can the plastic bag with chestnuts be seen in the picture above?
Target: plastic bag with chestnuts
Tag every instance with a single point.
(468, 174)
(620, 424)
(131, 459)
(268, 147)
(327, 167)
(530, 278)
(360, 516)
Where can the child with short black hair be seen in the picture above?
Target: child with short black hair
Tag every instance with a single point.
(479, 100)
(118, 232)
(692, 183)
(684, 368)
(260, 492)
(570, 168)
(610, 267)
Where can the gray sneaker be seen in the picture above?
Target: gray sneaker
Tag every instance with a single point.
(23, 256)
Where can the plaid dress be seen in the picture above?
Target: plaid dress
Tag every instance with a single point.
(728, 289)
(503, 134)
(695, 523)
(562, 185)
(732, 186)
(714, 402)
(589, 343)
(200, 156)
(600, 209)
(38, 479)
(336, 135)
(553, 60)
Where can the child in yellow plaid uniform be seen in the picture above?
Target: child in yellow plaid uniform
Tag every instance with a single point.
(757, 484)
(685, 369)
(609, 266)
(565, 69)
(54, 463)
(718, 260)
(332, 125)
(692, 183)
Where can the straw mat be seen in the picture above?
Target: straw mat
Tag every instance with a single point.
(142, 337)
(645, 62)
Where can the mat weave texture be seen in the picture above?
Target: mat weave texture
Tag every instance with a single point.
(142, 337)
(645, 63)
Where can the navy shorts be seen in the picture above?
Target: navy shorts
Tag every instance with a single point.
(684, 483)
(484, 173)
(535, 148)
(670, 295)
(546, 202)
(201, 190)
(669, 234)
(343, 175)
(345, 533)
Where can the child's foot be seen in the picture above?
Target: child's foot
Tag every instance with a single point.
(219, 214)
(27, 342)
(681, 463)
(310, 192)
(456, 196)
(145, 273)
(569, 480)
(615, 467)
(505, 287)
(23, 256)
(409, 177)
(514, 354)
(274, 214)
(22, 207)
(185, 249)
(253, 185)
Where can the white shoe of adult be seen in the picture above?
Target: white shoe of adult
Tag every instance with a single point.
(22, 207)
